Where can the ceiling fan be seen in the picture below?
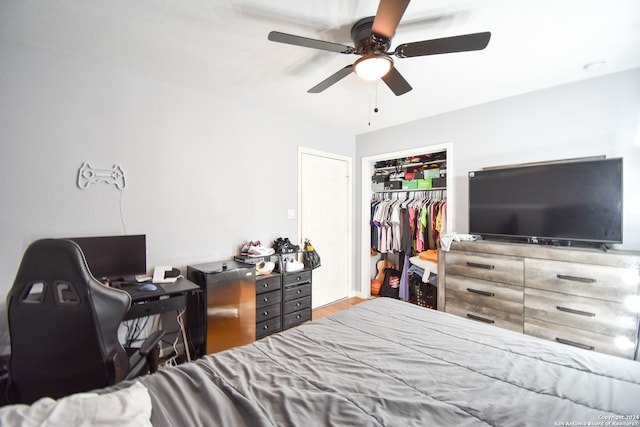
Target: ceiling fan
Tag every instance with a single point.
(372, 39)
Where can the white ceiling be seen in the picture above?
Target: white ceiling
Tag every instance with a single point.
(220, 47)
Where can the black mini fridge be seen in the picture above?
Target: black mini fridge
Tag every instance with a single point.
(225, 312)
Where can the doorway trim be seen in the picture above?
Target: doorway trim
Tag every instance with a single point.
(350, 236)
(365, 192)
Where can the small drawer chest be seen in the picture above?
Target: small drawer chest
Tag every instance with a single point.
(296, 298)
(268, 304)
(283, 300)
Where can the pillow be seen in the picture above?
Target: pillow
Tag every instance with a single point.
(127, 407)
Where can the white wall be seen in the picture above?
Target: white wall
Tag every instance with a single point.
(203, 174)
(599, 116)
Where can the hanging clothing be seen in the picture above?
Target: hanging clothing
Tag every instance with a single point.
(404, 280)
(410, 225)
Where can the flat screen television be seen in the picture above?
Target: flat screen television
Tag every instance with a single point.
(554, 203)
(115, 257)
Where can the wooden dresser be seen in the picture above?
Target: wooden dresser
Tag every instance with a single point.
(574, 296)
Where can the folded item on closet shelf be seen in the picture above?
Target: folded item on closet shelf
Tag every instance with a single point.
(447, 239)
(414, 269)
(429, 255)
(427, 266)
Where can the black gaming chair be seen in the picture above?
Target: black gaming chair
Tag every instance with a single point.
(63, 325)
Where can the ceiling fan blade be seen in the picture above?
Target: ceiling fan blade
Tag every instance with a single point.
(331, 80)
(388, 17)
(396, 82)
(464, 43)
(279, 37)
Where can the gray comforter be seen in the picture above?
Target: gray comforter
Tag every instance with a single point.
(389, 363)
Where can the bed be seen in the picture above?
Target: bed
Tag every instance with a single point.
(386, 362)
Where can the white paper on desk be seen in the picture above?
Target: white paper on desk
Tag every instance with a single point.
(159, 274)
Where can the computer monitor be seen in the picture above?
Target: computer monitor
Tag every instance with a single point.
(115, 257)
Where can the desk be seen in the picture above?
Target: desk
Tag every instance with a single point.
(169, 297)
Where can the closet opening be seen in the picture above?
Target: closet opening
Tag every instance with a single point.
(393, 186)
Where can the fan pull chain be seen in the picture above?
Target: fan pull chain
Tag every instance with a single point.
(369, 107)
(375, 108)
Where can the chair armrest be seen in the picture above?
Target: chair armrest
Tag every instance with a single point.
(151, 342)
(146, 353)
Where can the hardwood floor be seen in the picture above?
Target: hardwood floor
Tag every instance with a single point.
(335, 307)
(223, 341)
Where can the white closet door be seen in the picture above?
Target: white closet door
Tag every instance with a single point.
(325, 206)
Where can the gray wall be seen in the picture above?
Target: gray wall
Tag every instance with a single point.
(599, 116)
(203, 174)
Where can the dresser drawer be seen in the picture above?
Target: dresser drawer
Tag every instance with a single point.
(587, 280)
(297, 277)
(297, 291)
(268, 284)
(268, 312)
(502, 319)
(268, 327)
(602, 317)
(494, 268)
(268, 298)
(483, 293)
(577, 338)
(297, 317)
(297, 304)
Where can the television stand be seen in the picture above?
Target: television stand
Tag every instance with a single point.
(604, 247)
(573, 294)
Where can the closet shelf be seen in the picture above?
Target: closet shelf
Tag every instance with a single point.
(408, 190)
(409, 165)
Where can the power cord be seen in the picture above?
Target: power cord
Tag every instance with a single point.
(173, 361)
(134, 330)
(124, 227)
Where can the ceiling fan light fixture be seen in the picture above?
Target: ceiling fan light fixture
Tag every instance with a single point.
(372, 67)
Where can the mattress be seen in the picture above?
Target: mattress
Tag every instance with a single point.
(386, 362)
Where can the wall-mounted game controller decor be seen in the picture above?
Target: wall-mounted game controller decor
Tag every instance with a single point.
(88, 175)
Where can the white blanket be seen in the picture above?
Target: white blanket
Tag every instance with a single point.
(129, 407)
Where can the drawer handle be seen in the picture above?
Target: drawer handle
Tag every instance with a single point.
(482, 319)
(299, 291)
(479, 292)
(266, 300)
(266, 285)
(265, 327)
(299, 278)
(478, 265)
(298, 304)
(575, 344)
(574, 311)
(297, 316)
(575, 278)
(265, 313)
